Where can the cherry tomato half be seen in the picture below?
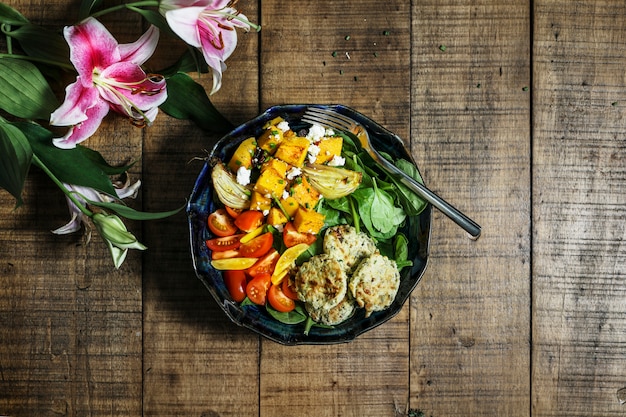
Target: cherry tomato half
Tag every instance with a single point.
(236, 284)
(258, 246)
(221, 224)
(292, 237)
(232, 212)
(249, 220)
(279, 300)
(256, 290)
(266, 264)
(289, 289)
(220, 244)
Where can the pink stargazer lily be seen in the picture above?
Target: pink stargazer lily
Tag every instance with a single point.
(109, 77)
(208, 25)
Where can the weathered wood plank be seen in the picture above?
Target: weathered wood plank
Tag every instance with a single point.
(196, 362)
(579, 326)
(355, 54)
(470, 133)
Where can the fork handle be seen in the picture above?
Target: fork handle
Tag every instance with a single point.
(470, 226)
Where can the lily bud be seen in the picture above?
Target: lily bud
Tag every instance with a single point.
(116, 236)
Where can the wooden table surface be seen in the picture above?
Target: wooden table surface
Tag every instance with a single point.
(520, 121)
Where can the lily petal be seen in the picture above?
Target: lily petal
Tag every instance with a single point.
(73, 110)
(128, 84)
(142, 49)
(91, 46)
(82, 131)
(184, 23)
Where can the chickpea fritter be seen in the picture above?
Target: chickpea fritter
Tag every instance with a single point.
(375, 283)
(321, 282)
(347, 245)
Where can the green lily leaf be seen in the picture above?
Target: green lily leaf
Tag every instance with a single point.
(10, 16)
(190, 61)
(96, 158)
(87, 6)
(54, 49)
(15, 159)
(23, 90)
(187, 99)
(68, 165)
(133, 214)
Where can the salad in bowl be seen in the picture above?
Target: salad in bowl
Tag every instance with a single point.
(299, 235)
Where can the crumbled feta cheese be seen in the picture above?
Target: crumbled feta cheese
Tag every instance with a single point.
(243, 176)
(278, 227)
(266, 212)
(313, 151)
(316, 132)
(293, 173)
(285, 195)
(284, 126)
(329, 132)
(337, 161)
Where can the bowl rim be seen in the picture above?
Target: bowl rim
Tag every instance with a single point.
(244, 317)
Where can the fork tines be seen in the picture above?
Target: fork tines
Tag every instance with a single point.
(328, 118)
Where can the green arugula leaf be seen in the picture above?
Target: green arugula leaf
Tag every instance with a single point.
(15, 159)
(293, 317)
(23, 90)
(10, 16)
(68, 165)
(412, 203)
(133, 214)
(187, 99)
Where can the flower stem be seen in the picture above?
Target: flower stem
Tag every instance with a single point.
(146, 3)
(38, 162)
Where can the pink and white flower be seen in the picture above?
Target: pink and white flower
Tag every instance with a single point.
(109, 77)
(208, 25)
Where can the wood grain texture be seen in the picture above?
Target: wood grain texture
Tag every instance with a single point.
(579, 305)
(196, 362)
(470, 135)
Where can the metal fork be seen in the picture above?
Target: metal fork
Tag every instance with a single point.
(333, 120)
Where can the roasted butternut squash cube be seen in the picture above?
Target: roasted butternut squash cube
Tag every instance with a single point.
(270, 139)
(276, 217)
(293, 151)
(308, 221)
(270, 183)
(260, 202)
(274, 163)
(243, 155)
(329, 148)
(304, 193)
(290, 205)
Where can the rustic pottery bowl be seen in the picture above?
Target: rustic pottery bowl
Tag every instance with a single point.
(256, 318)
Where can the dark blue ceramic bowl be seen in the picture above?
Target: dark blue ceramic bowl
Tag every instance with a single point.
(256, 318)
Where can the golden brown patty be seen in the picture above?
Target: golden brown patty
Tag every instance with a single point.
(336, 315)
(347, 246)
(375, 283)
(321, 282)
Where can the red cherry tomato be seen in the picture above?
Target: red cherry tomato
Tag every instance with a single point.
(289, 289)
(232, 212)
(249, 220)
(236, 284)
(258, 246)
(292, 237)
(279, 300)
(220, 244)
(221, 224)
(256, 290)
(266, 264)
